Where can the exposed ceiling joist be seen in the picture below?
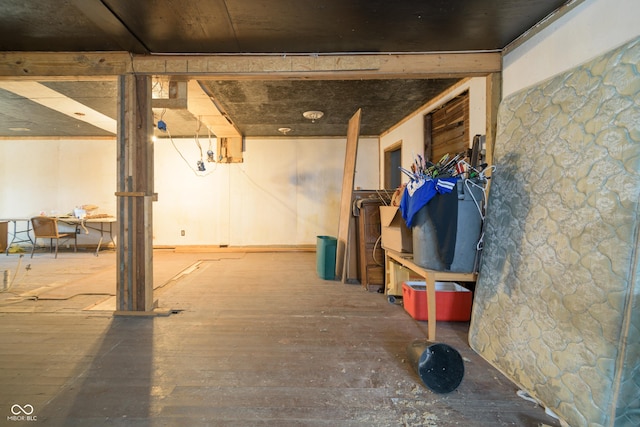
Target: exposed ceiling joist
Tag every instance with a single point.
(101, 16)
(202, 107)
(310, 66)
(176, 97)
(260, 66)
(47, 97)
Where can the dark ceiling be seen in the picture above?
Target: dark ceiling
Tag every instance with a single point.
(258, 108)
(261, 107)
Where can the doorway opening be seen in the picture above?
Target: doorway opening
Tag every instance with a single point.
(392, 163)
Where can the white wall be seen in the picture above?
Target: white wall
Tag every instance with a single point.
(286, 192)
(592, 28)
(56, 176)
(411, 130)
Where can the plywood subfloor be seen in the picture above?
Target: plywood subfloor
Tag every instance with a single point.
(254, 340)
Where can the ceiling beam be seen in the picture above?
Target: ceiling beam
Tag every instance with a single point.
(43, 95)
(33, 65)
(260, 67)
(177, 96)
(202, 107)
(107, 21)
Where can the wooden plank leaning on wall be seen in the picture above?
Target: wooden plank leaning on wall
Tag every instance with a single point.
(344, 225)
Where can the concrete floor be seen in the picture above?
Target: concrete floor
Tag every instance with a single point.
(253, 339)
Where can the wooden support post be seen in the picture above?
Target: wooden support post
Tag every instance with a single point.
(395, 276)
(430, 282)
(494, 95)
(135, 196)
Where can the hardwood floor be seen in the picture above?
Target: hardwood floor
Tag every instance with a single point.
(254, 339)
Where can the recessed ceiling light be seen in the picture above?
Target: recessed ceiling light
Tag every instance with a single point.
(313, 115)
(20, 129)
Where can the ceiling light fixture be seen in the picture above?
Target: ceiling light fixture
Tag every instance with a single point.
(313, 115)
(284, 131)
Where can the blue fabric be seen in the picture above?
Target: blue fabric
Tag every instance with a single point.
(411, 204)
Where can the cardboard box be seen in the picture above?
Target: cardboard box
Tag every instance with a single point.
(395, 233)
(453, 302)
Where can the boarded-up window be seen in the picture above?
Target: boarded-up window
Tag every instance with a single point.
(449, 128)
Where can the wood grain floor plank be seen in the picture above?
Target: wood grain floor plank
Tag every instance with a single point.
(255, 340)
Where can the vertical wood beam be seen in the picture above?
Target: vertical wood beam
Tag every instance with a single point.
(135, 195)
(428, 137)
(494, 96)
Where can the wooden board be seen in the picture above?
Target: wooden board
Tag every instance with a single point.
(353, 133)
(199, 104)
(135, 178)
(494, 94)
(4, 232)
(410, 65)
(450, 128)
(256, 340)
(61, 103)
(430, 277)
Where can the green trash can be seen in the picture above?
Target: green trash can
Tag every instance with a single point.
(326, 257)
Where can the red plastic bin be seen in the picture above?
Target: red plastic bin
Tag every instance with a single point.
(453, 302)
